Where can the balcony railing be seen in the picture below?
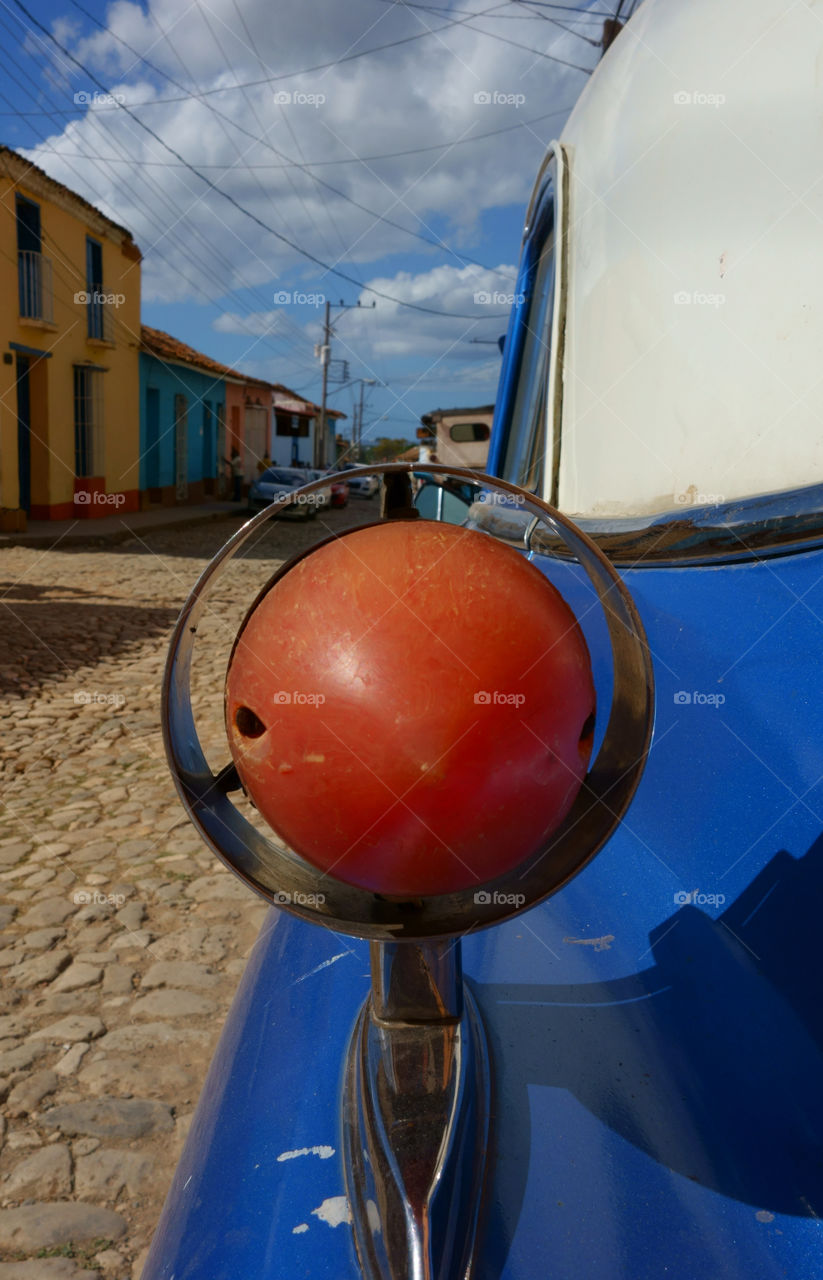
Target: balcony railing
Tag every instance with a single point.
(100, 321)
(34, 286)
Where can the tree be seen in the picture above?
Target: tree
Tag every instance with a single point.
(385, 449)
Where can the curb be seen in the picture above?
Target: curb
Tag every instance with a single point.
(115, 536)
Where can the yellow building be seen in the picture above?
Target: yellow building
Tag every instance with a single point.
(69, 377)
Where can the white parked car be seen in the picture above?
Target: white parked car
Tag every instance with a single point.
(365, 486)
(275, 481)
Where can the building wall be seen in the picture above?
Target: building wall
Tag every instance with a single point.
(234, 417)
(290, 449)
(465, 454)
(165, 388)
(256, 432)
(63, 343)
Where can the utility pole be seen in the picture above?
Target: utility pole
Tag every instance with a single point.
(323, 351)
(359, 419)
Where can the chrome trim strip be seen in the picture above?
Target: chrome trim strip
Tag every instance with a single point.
(769, 524)
(557, 355)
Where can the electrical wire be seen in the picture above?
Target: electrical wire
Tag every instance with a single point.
(436, 243)
(316, 164)
(225, 195)
(199, 264)
(285, 75)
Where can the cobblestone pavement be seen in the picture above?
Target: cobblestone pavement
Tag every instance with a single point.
(122, 938)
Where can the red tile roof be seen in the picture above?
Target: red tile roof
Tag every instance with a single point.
(162, 345)
(165, 347)
(7, 154)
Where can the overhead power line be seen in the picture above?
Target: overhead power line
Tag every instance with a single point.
(435, 242)
(225, 195)
(303, 71)
(166, 215)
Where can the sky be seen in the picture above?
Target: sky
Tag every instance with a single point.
(268, 156)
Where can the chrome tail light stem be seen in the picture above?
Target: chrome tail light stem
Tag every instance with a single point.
(416, 1110)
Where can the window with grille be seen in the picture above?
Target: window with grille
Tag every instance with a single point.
(98, 319)
(88, 421)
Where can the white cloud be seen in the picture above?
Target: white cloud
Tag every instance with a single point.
(397, 104)
(404, 98)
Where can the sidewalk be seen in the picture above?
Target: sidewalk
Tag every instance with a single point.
(109, 530)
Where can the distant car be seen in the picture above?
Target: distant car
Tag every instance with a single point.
(364, 486)
(339, 489)
(324, 496)
(275, 481)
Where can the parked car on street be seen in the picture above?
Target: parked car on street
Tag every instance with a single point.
(279, 480)
(361, 486)
(323, 496)
(339, 489)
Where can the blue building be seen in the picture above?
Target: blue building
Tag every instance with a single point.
(182, 422)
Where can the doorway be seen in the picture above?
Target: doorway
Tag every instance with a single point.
(24, 432)
(152, 438)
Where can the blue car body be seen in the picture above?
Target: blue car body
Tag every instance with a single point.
(655, 1028)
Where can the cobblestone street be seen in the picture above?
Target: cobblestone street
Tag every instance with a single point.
(122, 937)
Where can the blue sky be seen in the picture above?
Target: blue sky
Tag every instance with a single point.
(255, 150)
